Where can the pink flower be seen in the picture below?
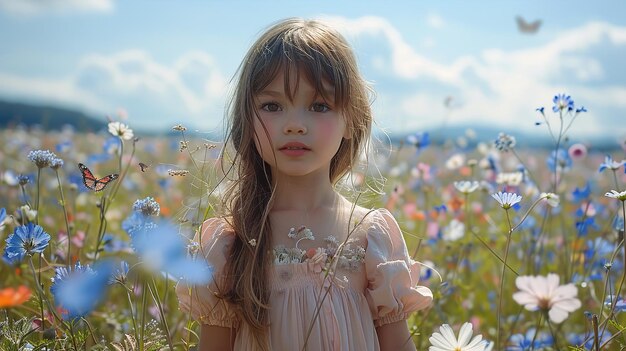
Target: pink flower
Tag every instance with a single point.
(577, 151)
(545, 293)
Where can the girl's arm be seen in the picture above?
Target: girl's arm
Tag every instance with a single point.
(216, 338)
(395, 337)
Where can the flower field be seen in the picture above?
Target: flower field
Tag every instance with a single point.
(522, 247)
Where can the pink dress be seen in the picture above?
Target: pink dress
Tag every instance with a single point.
(369, 282)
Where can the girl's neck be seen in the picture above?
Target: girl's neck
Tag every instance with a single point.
(300, 194)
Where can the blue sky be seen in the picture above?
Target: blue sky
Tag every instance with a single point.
(166, 62)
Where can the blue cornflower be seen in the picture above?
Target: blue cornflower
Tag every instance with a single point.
(42, 158)
(120, 274)
(147, 207)
(562, 102)
(524, 342)
(580, 194)
(504, 142)
(583, 226)
(162, 248)
(610, 164)
(420, 140)
(78, 291)
(540, 109)
(559, 160)
(620, 304)
(26, 240)
(581, 109)
(587, 340)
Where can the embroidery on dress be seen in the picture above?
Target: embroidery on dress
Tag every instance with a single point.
(350, 258)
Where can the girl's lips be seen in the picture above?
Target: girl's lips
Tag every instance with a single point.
(294, 145)
(294, 152)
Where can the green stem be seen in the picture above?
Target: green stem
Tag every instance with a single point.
(532, 343)
(132, 311)
(157, 300)
(101, 228)
(144, 307)
(67, 223)
(38, 191)
(506, 256)
(73, 336)
(554, 336)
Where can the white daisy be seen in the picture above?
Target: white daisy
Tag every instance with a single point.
(466, 186)
(551, 198)
(507, 200)
(545, 293)
(445, 340)
(121, 130)
(617, 195)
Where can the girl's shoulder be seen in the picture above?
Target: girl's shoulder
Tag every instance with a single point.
(215, 237)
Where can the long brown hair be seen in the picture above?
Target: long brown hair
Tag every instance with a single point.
(321, 54)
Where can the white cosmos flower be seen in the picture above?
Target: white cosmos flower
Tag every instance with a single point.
(455, 161)
(510, 179)
(445, 340)
(545, 294)
(506, 200)
(454, 231)
(466, 186)
(551, 198)
(617, 195)
(121, 130)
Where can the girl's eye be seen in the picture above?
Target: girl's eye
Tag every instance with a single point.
(320, 107)
(270, 107)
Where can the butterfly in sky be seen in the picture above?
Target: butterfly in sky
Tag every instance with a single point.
(527, 27)
(143, 166)
(92, 182)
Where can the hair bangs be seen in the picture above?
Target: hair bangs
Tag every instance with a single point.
(299, 53)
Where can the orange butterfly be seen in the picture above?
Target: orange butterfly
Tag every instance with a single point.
(92, 182)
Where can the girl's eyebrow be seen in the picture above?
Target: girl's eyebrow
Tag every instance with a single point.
(271, 93)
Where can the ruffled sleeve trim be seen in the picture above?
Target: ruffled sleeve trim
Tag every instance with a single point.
(203, 301)
(392, 292)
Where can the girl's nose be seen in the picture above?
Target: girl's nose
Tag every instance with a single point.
(295, 125)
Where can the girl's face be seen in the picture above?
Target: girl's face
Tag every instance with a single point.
(300, 137)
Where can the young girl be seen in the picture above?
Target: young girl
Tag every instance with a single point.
(296, 266)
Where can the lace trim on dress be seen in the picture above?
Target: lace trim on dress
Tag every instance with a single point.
(351, 256)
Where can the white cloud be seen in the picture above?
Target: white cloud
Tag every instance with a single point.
(499, 88)
(37, 7)
(192, 88)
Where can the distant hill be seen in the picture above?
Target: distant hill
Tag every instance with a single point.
(48, 117)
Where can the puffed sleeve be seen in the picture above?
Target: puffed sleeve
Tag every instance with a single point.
(203, 301)
(392, 275)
